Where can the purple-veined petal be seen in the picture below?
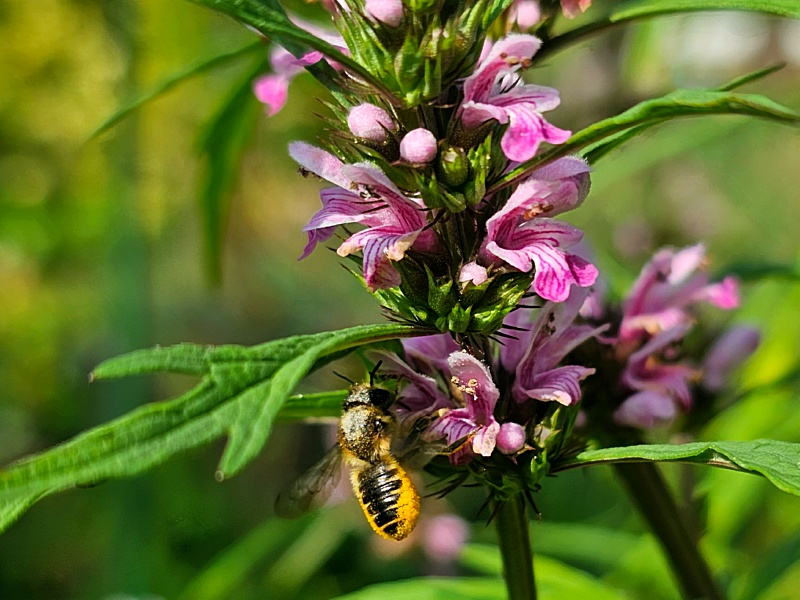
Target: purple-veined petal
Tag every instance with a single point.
(338, 207)
(474, 114)
(454, 425)
(505, 56)
(316, 236)
(537, 98)
(646, 410)
(560, 385)
(380, 246)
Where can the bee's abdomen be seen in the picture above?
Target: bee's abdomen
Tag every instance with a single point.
(388, 497)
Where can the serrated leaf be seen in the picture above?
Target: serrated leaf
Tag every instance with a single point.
(241, 391)
(172, 82)
(268, 18)
(779, 462)
(677, 104)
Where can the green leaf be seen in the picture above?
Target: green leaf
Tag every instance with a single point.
(638, 9)
(778, 461)
(434, 588)
(595, 152)
(269, 18)
(241, 391)
(13, 508)
(172, 82)
(680, 103)
(313, 406)
(621, 13)
(222, 146)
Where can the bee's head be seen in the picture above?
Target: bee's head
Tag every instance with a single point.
(368, 395)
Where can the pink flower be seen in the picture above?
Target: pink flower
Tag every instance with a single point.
(393, 222)
(494, 91)
(475, 421)
(662, 387)
(273, 89)
(524, 235)
(668, 286)
(537, 350)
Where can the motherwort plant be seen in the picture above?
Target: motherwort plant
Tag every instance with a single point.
(446, 171)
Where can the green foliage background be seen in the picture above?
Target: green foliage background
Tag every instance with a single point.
(101, 252)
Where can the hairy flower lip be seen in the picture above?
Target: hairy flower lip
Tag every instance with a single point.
(494, 92)
(393, 221)
(519, 236)
(669, 285)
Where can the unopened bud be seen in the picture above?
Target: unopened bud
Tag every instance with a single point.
(388, 12)
(418, 146)
(453, 166)
(510, 438)
(370, 122)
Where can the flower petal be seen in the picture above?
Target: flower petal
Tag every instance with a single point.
(475, 382)
(560, 385)
(646, 410)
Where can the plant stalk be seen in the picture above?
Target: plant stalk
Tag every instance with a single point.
(653, 498)
(511, 523)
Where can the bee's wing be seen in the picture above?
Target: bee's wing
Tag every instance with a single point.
(313, 487)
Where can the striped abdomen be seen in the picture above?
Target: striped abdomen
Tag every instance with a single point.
(389, 499)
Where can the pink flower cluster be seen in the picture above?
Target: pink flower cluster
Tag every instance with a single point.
(465, 409)
(657, 314)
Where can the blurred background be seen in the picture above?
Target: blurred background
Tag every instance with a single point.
(102, 251)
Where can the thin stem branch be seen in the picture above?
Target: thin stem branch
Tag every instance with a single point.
(653, 498)
(511, 523)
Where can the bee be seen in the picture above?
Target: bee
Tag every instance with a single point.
(384, 490)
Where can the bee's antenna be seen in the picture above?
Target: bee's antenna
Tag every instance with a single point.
(374, 371)
(347, 379)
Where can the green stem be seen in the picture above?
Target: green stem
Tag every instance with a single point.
(653, 498)
(511, 523)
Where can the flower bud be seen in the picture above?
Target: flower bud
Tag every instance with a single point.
(453, 166)
(510, 438)
(370, 122)
(388, 12)
(418, 146)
